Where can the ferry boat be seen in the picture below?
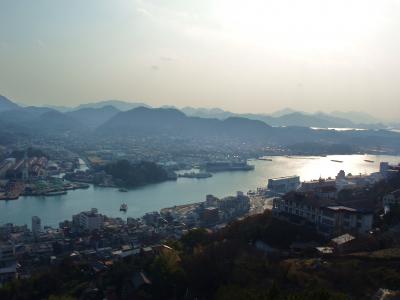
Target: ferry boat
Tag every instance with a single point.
(55, 193)
(199, 175)
(265, 158)
(123, 207)
(338, 161)
(228, 166)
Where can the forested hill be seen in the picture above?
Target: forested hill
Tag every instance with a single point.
(136, 174)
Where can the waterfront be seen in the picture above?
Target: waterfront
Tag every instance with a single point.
(54, 209)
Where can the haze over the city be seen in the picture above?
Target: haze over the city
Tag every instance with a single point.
(243, 56)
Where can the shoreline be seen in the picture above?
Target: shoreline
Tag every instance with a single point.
(155, 197)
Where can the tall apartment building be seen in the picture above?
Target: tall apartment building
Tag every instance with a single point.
(36, 226)
(88, 220)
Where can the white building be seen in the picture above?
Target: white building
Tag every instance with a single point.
(89, 220)
(230, 206)
(283, 185)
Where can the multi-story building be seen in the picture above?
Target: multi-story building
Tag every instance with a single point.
(390, 200)
(229, 207)
(283, 185)
(211, 200)
(151, 218)
(8, 266)
(210, 215)
(328, 217)
(387, 170)
(89, 220)
(323, 188)
(313, 185)
(36, 226)
(6, 253)
(340, 219)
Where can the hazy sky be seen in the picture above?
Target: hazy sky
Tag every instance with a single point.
(244, 56)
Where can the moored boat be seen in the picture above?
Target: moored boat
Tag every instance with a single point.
(124, 207)
(265, 158)
(198, 175)
(55, 193)
(338, 161)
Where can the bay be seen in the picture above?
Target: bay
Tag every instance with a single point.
(153, 197)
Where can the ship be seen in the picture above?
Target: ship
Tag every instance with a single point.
(338, 161)
(369, 161)
(199, 175)
(123, 207)
(228, 166)
(123, 190)
(265, 158)
(55, 193)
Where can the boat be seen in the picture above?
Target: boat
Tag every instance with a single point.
(55, 193)
(123, 207)
(369, 161)
(123, 190)
(228, 166)
(338, 161)
(199, 175)
(265, 158)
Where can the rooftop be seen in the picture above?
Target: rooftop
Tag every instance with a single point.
(341, 208)
(285, 177)
(343, 239)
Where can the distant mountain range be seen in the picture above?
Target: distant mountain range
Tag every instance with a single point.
(242, 133)
(118, 104)
(7, 104)
(289, 117)
(174, 123)
(95, 115)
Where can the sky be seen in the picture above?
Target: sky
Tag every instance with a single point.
(243, 56)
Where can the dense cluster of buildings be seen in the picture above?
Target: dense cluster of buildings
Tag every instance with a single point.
(25, 168)
(316, 202)
(103, 240)
(34, 175)
(15, 172)
(90, 236)
(211, 212)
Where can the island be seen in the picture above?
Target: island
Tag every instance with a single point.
(128, 174)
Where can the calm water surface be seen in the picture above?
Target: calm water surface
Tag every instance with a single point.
(154, 197)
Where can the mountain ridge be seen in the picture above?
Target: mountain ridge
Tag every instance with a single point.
(7, 104)
(283, 117)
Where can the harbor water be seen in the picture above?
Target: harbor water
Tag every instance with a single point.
(53, 209)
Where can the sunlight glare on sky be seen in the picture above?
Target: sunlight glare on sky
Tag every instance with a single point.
(243, 56)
